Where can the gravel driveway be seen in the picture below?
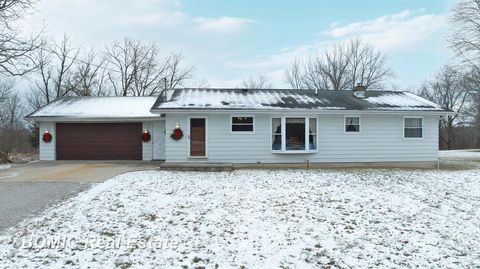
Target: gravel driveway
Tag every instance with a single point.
(28, 189)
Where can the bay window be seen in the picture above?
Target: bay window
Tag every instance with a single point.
(294, 134)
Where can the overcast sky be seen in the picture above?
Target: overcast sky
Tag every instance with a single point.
(227, 41)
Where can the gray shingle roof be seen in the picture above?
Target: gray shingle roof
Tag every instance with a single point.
(288, 99)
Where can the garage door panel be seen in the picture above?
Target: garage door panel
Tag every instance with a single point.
(99, 141)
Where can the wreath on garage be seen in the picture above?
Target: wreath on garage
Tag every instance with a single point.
(146, 136)
(47, 137)
(177, 134)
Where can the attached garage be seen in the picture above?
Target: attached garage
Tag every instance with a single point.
(99, 141)
(101, 128)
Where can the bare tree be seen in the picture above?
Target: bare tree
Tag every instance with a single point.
(13, 112)
(176, 73)
(16, 50)
(5, 89)
(473, 102)
(314, 76)
(259, 82)
(464, 39)
(294, 75)
(89, 77)
(13, 134)
(367, 65)
(56, 64)
(66, 56)
(465, 32)
(137, 69)
(474, 112)
(120, 57)
(13, 10)
(448, 88)
(341, 67)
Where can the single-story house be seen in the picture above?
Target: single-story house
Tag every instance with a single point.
(245, 127)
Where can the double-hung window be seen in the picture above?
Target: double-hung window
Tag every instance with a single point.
(352, 124)
(242, 124)
(412, 127)
(294, 134)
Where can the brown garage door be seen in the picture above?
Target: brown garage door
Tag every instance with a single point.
(99, 141)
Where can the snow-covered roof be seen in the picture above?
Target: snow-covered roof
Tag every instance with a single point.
(281, 99)
(98, 107)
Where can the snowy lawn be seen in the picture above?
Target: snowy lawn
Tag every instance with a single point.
(4, 166)
(464, 154)
(263, 219)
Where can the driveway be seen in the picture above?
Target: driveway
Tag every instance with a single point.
(28, 189)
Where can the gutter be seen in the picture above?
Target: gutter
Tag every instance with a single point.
(305, 111)
(80, 119)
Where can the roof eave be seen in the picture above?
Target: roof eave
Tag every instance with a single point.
(93, 119)
(310, 111)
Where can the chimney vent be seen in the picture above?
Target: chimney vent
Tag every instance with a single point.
(359, 91)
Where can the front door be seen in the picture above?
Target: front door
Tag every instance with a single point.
(158, 140)
(197, 137)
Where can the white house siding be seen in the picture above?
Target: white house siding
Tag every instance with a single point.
(147, 147)
(47, 150)
(380, 140)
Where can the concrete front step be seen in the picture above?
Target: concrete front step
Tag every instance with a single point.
(209, 167)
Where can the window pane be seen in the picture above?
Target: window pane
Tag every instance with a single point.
(413, 132)
(413, 122)
(313, 126)
(276, 134)
(242, 128)
(352, 120)
(276, 142)
(352, 128)
(312, 141)
(276, 125)
(242, 120)
(295, 134)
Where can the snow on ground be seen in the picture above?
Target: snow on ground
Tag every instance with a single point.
(5, 166)
(464, 154)
(264, 219)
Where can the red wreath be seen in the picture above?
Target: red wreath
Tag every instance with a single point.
(177, 134)
(47, 137)
(146, 136)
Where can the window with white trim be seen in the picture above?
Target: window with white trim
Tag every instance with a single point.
(352, 124)
(242, 124)
(413, 127)
(294, 134)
